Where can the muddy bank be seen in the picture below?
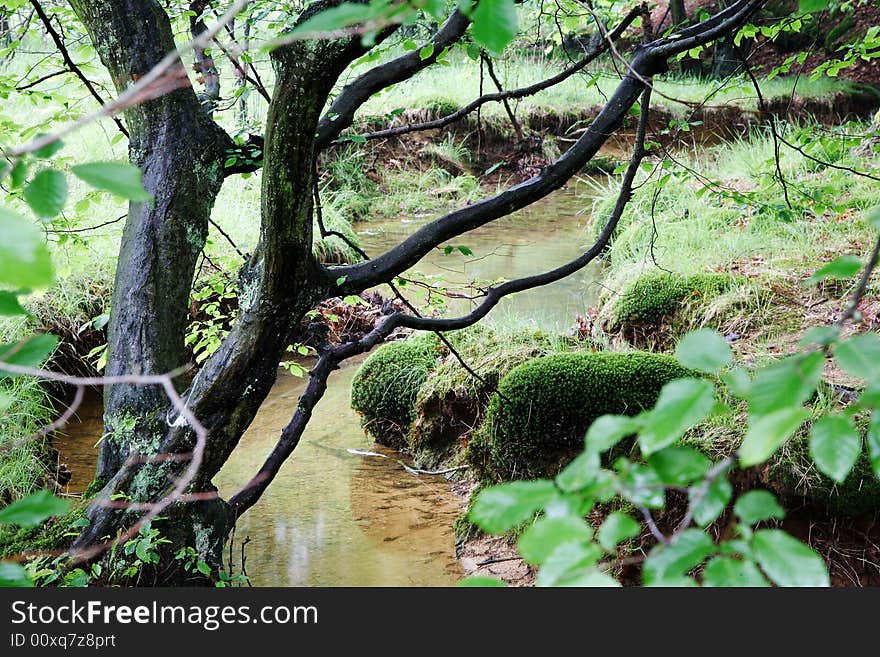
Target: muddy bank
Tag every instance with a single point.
(494, 141)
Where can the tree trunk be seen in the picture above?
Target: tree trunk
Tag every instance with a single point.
(181, 152)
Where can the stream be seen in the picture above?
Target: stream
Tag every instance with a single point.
(334, 518)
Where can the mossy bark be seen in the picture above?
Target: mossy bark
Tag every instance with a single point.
(181, 151)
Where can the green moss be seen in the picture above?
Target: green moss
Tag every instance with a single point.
(792, 473)
(54, 535)
(385, 387)
(452, 401)
(653, 298)
(545, 406)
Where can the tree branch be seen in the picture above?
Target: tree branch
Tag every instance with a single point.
(68, 61)
(341, 112)
(599, 47)
(333, 357)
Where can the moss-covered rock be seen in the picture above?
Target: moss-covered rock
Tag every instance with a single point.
(654, 297)
(452, 402)
(385, 387)
(545, 406)
(793, 474)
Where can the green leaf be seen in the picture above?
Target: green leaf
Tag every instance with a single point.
(835, 446)
(846, 266)
(787, 561)
(667, 561)
(580, 473)
(608, 430)
(682, 403)
(12, 574)
(19, 173)
(494, 24)
(426, 52)
(204, 568)
(339, 17)
(617, 528)
(860, 356)
(874, 443)
(501, 508)
(481, 581)
(33, 509)
(47, 193)
(678, 466)
(9, 305)
(756, 506)
(713, 503)
(767, 433)
(704, 350)
(546, 534)
(789, 382)
(24, 258)
(32, 352)
(641, 485)
(812, 6)
(49, 149)
(727, 572)
(566, 561)
(141, 549)
(119, 178)
(591, 578)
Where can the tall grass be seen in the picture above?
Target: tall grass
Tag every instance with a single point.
(743, 222)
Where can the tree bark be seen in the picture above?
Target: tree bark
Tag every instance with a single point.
(180, 151)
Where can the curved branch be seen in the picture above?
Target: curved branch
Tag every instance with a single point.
(706, 31)
(599, 46)
(341, 112)
(648, 60)
(332, 358)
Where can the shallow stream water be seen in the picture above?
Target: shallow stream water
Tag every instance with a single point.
(333, 518)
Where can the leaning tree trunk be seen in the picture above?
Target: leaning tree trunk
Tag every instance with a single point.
(181, 152)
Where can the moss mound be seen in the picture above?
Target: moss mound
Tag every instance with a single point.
(654, 297)
(385, 387)
(546, 405)
(452, 402)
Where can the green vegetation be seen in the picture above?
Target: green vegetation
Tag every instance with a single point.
(441, 91)
(543, 407)
(25, 408)
(451, 402)
(384, 389)
(656, 297)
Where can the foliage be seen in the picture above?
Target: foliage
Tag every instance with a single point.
(27, 513)
(654, 297)
(544, 405)
(561, 540)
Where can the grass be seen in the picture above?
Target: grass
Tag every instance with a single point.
(26, 408)
(742, 223)
(451, 87)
